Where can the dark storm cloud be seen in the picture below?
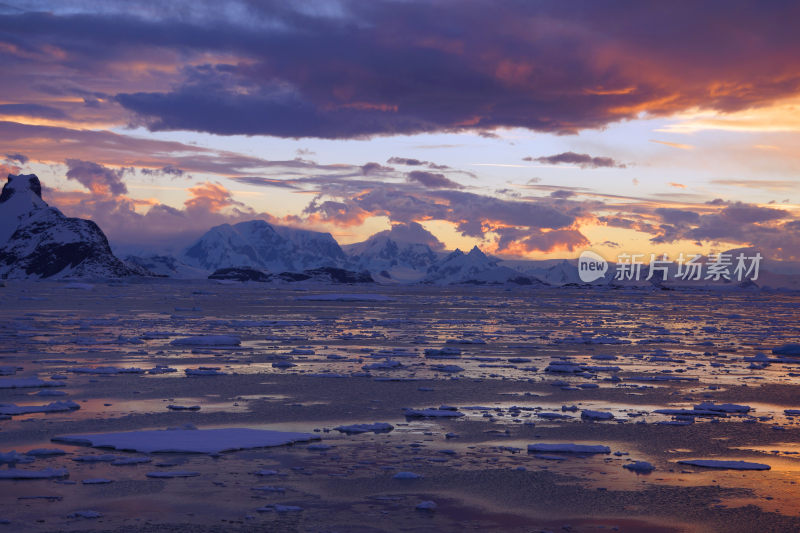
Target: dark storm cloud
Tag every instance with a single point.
(582, 160)
(357, 69)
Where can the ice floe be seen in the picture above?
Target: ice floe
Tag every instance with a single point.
(26, 383)
(47, 473)
(54, 407)
(187, 440)
(726, 465)
(640, 467)
(376, 427)
(568, 448)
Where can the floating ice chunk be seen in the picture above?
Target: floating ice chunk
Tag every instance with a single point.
(553, 416)
(587, 414)
(283, 364)
(427, 505)
(791, 350)
(568, 448)
(208, 340)
(172, 407)
(465, 341)
(266, 473)
(54, 407)
(85, 514)
(278, 508)
(166, 474)
(106, 370)
(723, 407)
(726, 465)
(27, 383)
(45, 452)
(96, 481)
(345, 298)
(791, 412)
(640, 467)
(203, 372)
(15, 473)
(563, 368)
(269, 488)
(13, 457)
(432, 413)
(355, 429)
(161, 369)
(406, 475)
(188, 441)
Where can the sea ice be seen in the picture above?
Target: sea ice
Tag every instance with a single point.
(427, 505)
(568, 448)
(377, 427)
(587, 414)
(727, 465)
(188, 440)
(640, 467)
(432, 413)
(26, 383)
(208, 340)
(15, 473)
(54, 407)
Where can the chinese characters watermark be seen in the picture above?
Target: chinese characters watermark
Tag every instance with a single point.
(632, 267)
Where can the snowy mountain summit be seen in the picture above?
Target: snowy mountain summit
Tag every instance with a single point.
(258, 244)
(38, 241)
(473, 267)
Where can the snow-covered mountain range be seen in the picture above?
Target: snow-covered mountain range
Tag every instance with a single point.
(258, 244)
(38, 241)
(402, 254)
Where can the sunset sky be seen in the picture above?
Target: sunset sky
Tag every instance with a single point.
(530, 128)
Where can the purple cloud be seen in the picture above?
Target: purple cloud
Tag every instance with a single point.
(432, 180)
(582, 160)
(388, 68)
(97, 178)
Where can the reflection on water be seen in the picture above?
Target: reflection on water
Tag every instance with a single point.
(555, 352)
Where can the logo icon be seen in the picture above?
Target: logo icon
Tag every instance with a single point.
(591, 266)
